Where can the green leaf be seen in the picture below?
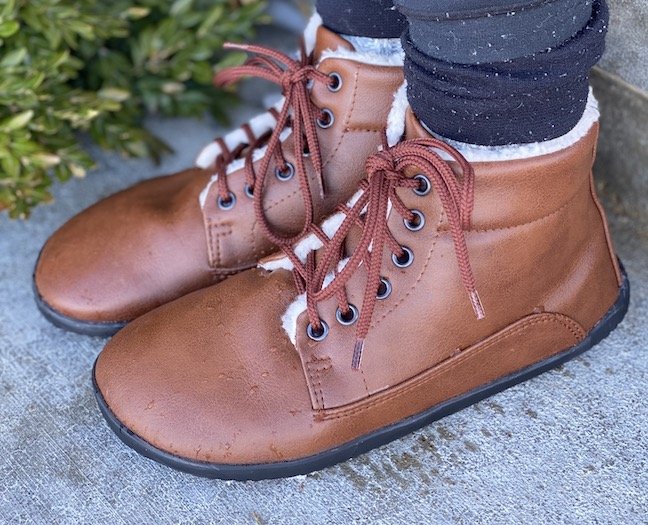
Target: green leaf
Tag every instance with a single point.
(203, 73)
(135, 13)
(43, 160)
(212, 18)
(13, 58)
(11, 166)
(114, 93)
(180, 7)
(172, 88)
(7, 9)
(96, 67)
(8, 28)
(77, 171)
(17, 121)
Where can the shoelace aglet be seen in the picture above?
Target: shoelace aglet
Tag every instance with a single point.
(235, 45)
(477, 305)
(357, 354)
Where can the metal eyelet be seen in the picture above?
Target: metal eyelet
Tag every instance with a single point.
(326, 119)
(425, 186)
(317, 335)
(336, 82)
(226, 204)
(349, 318)
(249, 191)
(384, 289)
(404, 260)
(286, 173)
(417, 224)
(306, 151)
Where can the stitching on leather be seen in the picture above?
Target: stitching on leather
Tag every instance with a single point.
(214, 241)
(316, 387)
(364, 381)
(326, 161)
(449, 364)
(315, 369)
(220, 275)
(356, 75)
(365, 130)
(322, 368)
(210, 240)
(572, 326)
(283, 199)
(317, 383)
(231, 271)
(420, 277)
(255, 237)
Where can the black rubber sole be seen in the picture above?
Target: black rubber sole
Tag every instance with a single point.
(370, 441)
(75, 325)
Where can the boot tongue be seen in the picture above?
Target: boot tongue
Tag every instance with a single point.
(328, 40)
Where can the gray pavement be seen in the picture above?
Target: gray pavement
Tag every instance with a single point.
(567, 447)
(625, 53)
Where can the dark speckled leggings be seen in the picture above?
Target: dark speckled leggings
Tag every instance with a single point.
(488, 72)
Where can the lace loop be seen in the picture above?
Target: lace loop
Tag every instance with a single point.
(298, 112)
(386, 172)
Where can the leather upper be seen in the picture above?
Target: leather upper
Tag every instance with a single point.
(152, 243)
(128, 253)
(215, 377)
(360, 109)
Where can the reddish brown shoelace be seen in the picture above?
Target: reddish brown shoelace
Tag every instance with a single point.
(323, 276)
(227, 156)
(298, 111)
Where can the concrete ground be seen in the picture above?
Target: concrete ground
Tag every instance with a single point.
(567, 447)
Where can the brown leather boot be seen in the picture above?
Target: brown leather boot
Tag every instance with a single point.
(447, 281)
(259, 188)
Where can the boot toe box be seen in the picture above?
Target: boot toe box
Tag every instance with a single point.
(212, 377)
(126, 254)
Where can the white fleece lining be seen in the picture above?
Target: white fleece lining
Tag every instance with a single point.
(311, 242)
(375, 59)
(396, 117)
(476, 153)
(237, 165)
(265, 122)
(260, 124)
(396, 125)
(379, 46)
(310, 33)
(295, 309)
(290, 316)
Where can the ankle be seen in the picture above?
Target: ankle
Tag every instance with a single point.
(530, 99)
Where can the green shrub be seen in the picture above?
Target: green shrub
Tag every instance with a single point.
(98, 67)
